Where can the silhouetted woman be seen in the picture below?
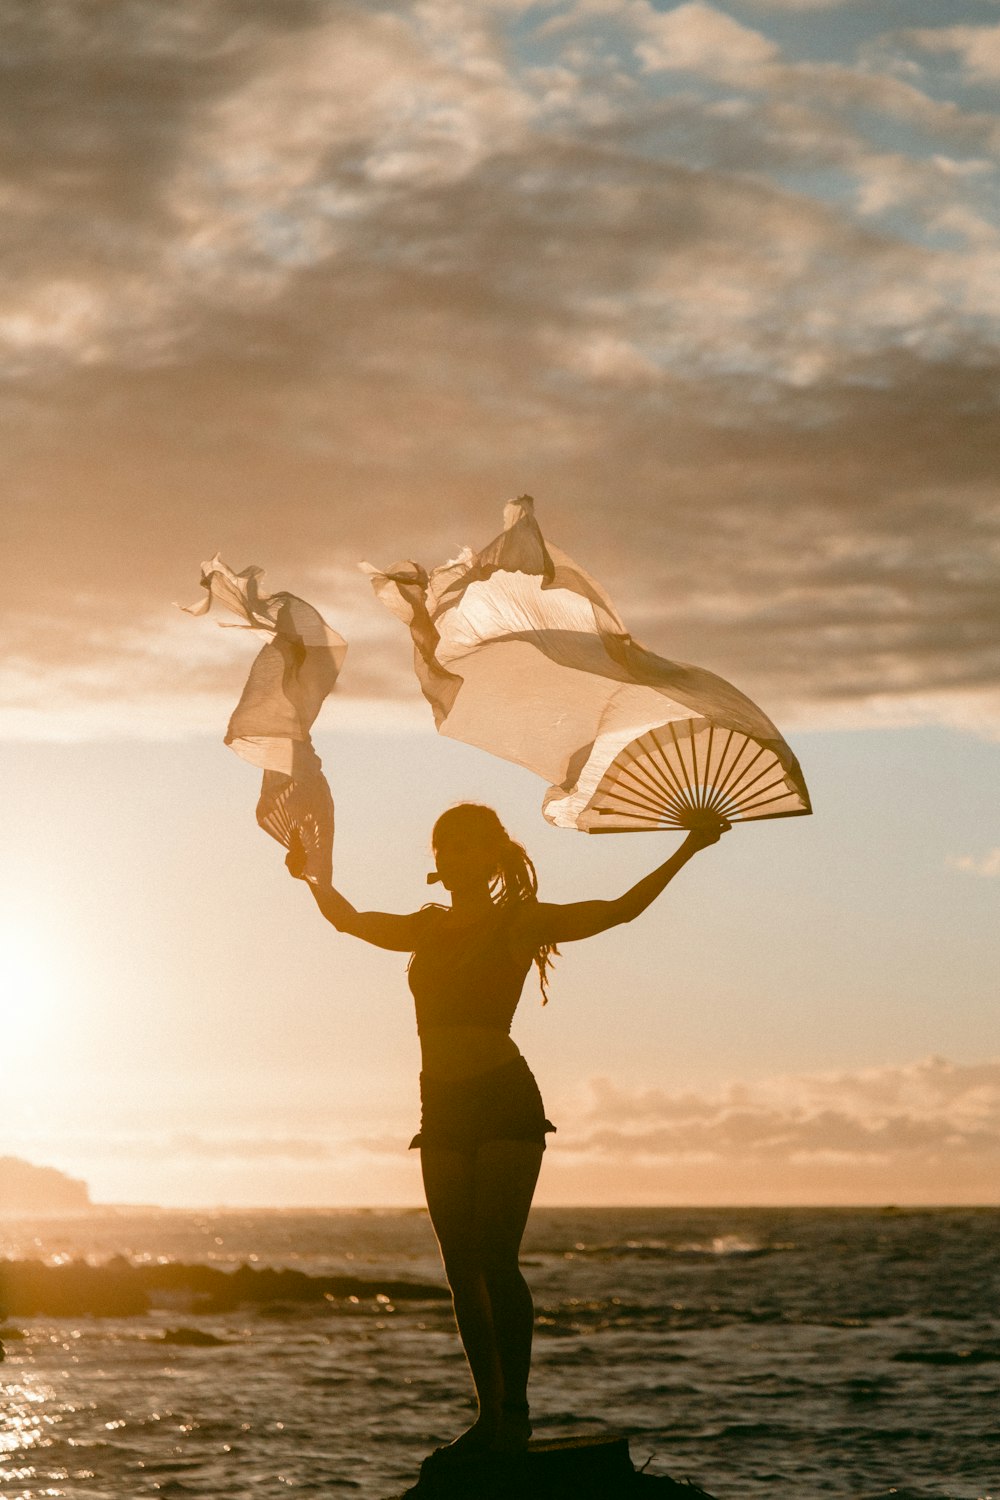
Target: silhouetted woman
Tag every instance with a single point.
(483, 1127)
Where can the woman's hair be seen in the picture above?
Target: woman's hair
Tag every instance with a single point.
(515, 878)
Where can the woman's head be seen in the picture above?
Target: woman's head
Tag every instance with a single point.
(472, 848)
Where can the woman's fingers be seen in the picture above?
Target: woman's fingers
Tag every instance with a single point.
(707, 833)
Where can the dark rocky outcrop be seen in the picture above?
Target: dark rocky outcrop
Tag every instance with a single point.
(119, 1289)
(191, 1338)
(580, 1468)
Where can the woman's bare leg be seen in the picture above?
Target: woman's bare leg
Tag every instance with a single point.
(504, 1183)
(479, 1206)
(449, 1183)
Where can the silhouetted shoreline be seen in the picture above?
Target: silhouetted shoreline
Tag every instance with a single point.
(119, 1289)
(29, 1189)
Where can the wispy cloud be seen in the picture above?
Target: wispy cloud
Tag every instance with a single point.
(352, 276)
(702, 39)
(922, 1132)
(977, 48)
(800, 6)
(933, 1110)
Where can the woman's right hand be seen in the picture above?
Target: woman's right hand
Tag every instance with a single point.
(295, 859)
(708, 832)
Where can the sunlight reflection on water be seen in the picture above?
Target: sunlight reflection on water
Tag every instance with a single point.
(31, 1405)
(815, 1353)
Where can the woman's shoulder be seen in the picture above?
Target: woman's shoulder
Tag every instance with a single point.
(522, 912)
(520, 923)
(429, 921)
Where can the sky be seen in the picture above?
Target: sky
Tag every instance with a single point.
(322, 282)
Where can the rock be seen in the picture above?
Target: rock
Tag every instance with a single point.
(195, 1338)
(29, 1189)
(576, 1468)
(118, 1289)
(30, 1289)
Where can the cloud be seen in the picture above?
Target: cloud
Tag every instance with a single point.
(986, 865)
(977, 48)
(801, 6)
(926, 1131)
(351, 277)
(698, 37)
(929, 1112)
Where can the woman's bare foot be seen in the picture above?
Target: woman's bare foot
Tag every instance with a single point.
(514, 1428)
(478, 1438)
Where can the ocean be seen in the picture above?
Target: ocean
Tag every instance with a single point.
(786, 1353)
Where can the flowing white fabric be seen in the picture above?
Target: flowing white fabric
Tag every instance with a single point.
(520, 652)
(270, 726)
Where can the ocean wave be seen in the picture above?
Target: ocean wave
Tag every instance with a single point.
(719, 1246)
(759, 1374)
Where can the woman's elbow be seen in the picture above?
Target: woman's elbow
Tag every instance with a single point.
(605, 915)
(622, 911)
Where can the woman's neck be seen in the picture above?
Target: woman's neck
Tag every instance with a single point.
(470, 904)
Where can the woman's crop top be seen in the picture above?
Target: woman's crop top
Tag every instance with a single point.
(467, 977)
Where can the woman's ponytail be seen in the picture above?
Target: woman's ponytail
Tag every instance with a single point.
(517, 880)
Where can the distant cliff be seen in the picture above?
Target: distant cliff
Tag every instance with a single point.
(25, 1188)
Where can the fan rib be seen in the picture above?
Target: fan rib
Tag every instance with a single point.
(757, 802)
(682, 788)
(737, 772)
(743, 788)
(724, 807)
(748, 814)
(762, 801)
(657, 798)
(717, 803)
(716, 799)
(695, 782)
(635, 770)
(653, 808)
(708, 767)
(680, 757)
(725, 772)
(657, 789)
(663, 770)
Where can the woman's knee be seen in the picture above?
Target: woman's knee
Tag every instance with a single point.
(500, 1268)
(462, 1268)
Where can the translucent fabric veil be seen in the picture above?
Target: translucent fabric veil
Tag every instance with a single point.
(270, 726)
(520, 652)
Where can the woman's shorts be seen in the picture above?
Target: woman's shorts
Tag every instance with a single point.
(501, 1105)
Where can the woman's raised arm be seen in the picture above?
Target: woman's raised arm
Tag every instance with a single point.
(549, 922)
(383, 929)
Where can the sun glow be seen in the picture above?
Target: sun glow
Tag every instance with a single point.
(31, 987)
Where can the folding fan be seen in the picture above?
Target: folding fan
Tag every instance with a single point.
(690, 774)
(298, 812)
(522, 653)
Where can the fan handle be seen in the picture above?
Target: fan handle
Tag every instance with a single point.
(695, 819)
